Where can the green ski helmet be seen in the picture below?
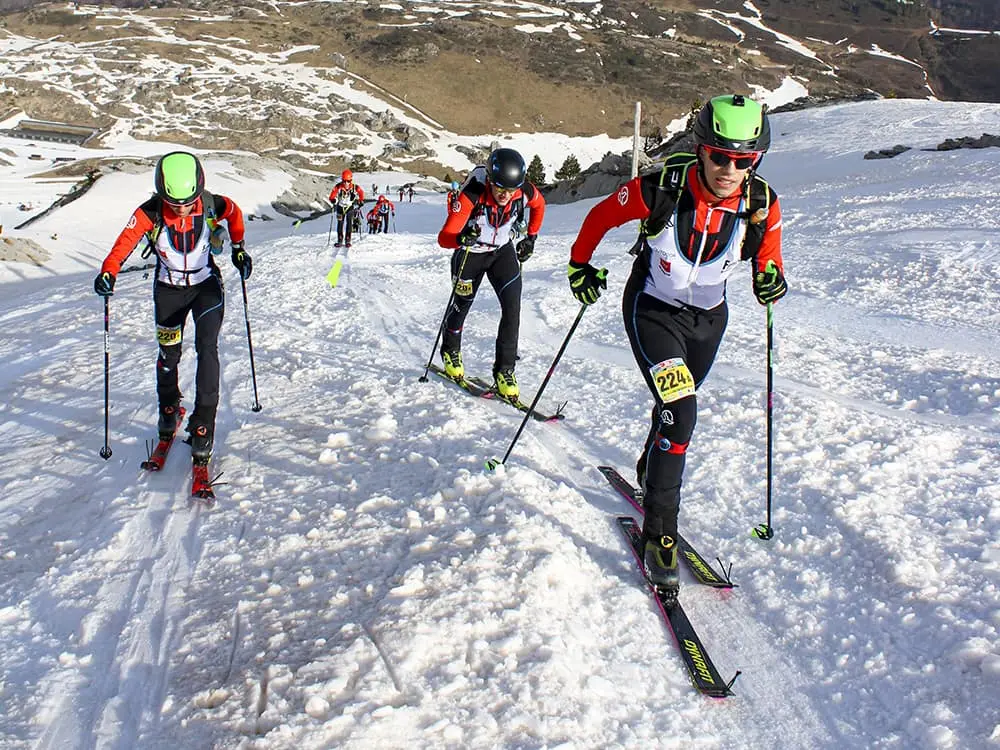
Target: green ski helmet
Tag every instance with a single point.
(734, 123)
(179, 178)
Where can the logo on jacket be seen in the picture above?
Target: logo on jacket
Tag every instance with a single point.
(623, 195)
(665, 266)
(456, 206)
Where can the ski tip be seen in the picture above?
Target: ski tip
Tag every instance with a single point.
(493, 464)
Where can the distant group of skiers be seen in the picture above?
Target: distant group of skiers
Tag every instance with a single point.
(699, 217)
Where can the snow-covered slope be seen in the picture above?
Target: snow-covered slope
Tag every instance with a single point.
(364, 583)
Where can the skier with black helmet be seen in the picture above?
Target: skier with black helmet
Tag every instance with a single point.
(480, 229)
(181, 223)
(699, 217)
(347, 198)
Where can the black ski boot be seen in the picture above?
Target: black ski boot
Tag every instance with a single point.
(202, 437)
(660, 558)
(167, 424)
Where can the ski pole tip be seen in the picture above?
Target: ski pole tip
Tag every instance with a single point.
(763, 531)
(492, 464)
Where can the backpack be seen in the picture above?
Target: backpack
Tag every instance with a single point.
(475, 186)
(673, 176)
(208, 205)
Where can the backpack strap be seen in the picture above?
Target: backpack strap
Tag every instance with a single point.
(208, 206)
(673, 177)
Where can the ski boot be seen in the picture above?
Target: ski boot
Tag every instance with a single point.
(660, 558)
(167, 424)
(201, 440)
(506, 384)
(453, 364)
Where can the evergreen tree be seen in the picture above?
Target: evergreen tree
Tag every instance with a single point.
(569, 169)
(536, 171)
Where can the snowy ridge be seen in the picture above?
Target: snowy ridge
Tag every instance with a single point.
(363, 582)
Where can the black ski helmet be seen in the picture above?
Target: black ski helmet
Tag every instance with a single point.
(179, 178)
(506, 168)
(734, 123)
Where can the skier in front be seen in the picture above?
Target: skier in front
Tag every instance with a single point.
(452, 194)
(383, 207)
(479, 228)
(347, 198)
(181, 224)
(701, 215)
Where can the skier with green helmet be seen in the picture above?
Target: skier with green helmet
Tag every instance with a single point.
(700, 216)
(181, 224)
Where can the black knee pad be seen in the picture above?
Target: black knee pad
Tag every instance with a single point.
(677, 421)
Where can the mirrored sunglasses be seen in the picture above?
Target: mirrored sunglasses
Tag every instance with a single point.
(742, 159)
(180, 204)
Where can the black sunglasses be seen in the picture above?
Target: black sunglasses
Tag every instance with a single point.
(722, 158)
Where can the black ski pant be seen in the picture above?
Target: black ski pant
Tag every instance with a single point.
(345, 224)
(206, 303)
(501, 267)
(674, 348)
(384, 223)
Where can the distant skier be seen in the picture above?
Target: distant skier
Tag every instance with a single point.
(373, 220)
(453, 194)
(691, 241)
(402, 190)
(479, 229)
(384, 207)
(347, 198)
(181, 223)
(409, 191)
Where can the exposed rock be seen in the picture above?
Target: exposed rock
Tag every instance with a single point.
(984, 141)
(887, 153)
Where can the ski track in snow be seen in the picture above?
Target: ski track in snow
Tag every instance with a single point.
(363, 582)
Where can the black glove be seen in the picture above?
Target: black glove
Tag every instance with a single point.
(468, 236)
(526, 247)
(104, 284)
(242, 260)
(586, 281)
(769, 285)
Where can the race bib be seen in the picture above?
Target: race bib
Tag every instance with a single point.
(463, 289)
(673, 379)
(168, 336)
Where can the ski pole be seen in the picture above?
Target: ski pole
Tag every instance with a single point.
(106, 450)
(492, 463)
(253, 372)
(329, 235)
(447, 309)
(764, 530)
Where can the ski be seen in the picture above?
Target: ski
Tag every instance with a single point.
(157, 457)
(701, 669)
(702, 570)
(465, 385)
(492, 394)
(480, 388)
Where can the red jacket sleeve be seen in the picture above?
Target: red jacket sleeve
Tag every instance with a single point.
(361, 193)
(234, 219)
(770, 246)
(536, 205)
(621, 207)
(138, 224)
(458, 216)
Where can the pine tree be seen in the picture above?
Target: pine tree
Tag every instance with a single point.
(536, 171)
(569, 169)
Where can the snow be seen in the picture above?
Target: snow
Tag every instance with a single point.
(364, 582)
